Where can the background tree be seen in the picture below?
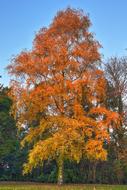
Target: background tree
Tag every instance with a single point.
(116, 74)
(59, 92)
(9, 144)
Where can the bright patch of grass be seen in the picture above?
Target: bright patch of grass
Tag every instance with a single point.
(36, 186)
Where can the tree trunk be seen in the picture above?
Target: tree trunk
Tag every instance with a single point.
(94, 171)
(60, 170)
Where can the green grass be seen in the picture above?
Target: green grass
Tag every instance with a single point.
(36, 186)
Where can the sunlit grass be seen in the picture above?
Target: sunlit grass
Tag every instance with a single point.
(36, 186)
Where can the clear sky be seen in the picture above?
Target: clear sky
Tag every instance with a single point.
(21, 19)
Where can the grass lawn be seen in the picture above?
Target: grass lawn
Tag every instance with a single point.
(37, 186)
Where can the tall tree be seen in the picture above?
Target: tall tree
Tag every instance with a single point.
(58, 93)
(116, 74)
(7, 125)
(8, 135)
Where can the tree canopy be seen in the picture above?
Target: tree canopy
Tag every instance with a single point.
(59, 94)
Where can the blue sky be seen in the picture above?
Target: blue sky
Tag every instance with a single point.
(21, 19)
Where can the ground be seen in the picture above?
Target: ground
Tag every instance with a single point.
(37, 186)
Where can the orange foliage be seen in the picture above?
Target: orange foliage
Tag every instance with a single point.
(58, 85)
